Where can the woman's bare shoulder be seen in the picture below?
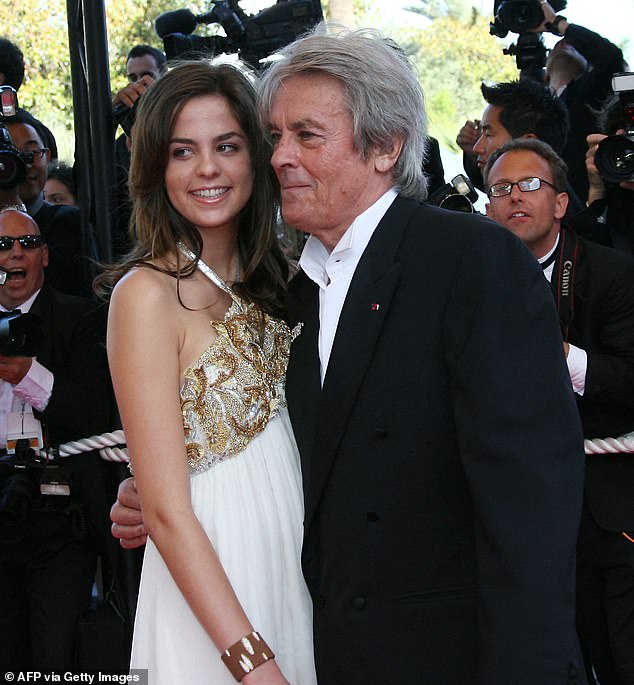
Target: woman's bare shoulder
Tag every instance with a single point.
(145, 284)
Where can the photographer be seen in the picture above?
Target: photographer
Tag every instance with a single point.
(593, 287)
(69, 248)
(144, 65)
(12, 74)
(515, 109)
(609, 218)
(48, 553)
(579, 69)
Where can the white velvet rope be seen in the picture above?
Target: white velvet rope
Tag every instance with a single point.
(624, 443)
(111, 446)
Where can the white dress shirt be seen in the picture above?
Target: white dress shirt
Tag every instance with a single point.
(577, 358)
(333, 271)
(33, 391)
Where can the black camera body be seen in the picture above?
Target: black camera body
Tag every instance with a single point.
(253, 38)
(458, 195)
(12, 161)
(519, 16)
(615, 154)
(522, 16)
(30, 481)
(21, 334)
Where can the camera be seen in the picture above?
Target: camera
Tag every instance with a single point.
(252, 37)
(519, 16)
(458, 195)
(125, 116)
(28, 479)
(20, 334)
(615, 154)
(522, 16)
(12, 161)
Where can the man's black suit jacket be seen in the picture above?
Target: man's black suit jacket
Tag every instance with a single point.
(442, 462)
(73, 349)
(69, 249)
(603, 326)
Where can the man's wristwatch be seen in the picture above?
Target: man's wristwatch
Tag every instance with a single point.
(553, 26)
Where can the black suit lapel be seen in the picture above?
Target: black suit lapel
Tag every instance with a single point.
(303, 381)
(42, 308)
(364, 312)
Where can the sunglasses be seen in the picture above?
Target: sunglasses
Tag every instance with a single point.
(27, 242)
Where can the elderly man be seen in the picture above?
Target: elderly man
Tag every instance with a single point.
(47, 562)
(594, 290)
(442, 475)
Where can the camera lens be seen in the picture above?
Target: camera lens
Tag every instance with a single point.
(615, 158)
(520, 15)
(12, 169)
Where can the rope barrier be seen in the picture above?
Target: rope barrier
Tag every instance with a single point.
(624, 443)
(111, 446)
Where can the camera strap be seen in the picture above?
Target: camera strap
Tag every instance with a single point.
(563, 278)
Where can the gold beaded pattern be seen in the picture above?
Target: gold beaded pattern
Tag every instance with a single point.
(236, 386)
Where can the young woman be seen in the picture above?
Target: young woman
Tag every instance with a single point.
(198, 353)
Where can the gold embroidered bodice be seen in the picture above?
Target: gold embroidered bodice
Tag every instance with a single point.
(236, 386)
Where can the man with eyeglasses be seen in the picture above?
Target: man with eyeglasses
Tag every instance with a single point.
(68, 246)
(47, 562)
(593, 287)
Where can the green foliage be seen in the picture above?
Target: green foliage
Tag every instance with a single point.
(453, 57)
(436, 9)
(130, 23)
(39, 28)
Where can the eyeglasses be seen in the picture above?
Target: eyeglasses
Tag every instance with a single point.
(526, 185)
(28, 242)
(29, 156)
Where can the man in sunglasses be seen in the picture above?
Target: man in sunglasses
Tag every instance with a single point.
(593, 287)
(69, 247)
(48, 558)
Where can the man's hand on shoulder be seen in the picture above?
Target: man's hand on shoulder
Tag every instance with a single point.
(127, 517)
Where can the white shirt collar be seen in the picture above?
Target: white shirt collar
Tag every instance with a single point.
(315, 259)
(25, 306)
(548, 271)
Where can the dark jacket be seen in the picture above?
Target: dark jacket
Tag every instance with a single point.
(442, 462)
(603, 326)
(80, 406)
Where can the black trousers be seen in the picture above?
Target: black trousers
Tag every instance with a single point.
(45, 587)
(605, 602)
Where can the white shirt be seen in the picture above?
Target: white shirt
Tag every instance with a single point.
(577, 359)
(32, 392)
(333, 271)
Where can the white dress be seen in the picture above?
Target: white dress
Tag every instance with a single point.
(246, 492)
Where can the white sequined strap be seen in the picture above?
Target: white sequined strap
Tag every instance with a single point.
(208, 271)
